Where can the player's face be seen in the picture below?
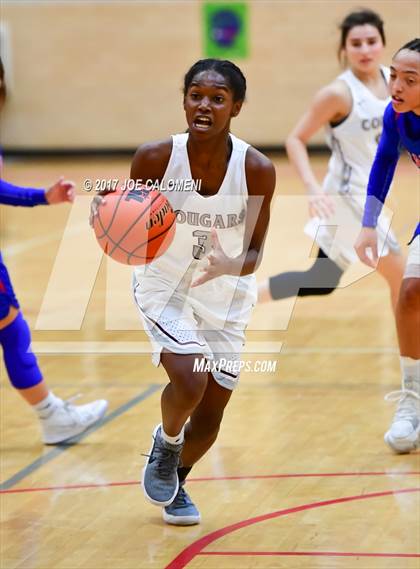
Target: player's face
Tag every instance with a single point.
(209, 104)
(405, 81)
(363, 48)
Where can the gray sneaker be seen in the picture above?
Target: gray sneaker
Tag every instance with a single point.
(182, 511)
(160, 477)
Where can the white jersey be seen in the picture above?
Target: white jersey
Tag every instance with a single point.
(353, 142)
(196, 215)
(353, 145)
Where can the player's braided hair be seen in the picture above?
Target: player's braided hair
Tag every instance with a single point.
(413, 45)
(229, 70)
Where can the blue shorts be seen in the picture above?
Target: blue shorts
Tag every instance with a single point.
(7, 294)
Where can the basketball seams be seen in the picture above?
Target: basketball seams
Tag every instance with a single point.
(146, 243)
(114, 212)
(124, 250)
(113, 245)
(98, 217)
(134, 223)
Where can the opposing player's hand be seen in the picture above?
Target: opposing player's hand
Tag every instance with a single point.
(320, 204)
(365, 243)
(62, 191)
(218, 262)
(96, 202)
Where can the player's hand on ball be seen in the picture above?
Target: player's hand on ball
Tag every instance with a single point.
(96, 202)
(218, 262)
(62, 191)
(367, 242)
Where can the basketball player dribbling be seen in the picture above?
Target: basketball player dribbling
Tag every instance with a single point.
(351, 109)
(196, 300)
(401, 131)
(60, 420)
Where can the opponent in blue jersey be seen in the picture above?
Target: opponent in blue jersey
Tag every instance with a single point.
(60, 420)
(401, 131)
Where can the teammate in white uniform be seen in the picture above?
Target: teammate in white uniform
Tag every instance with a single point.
(196, 300)
(351, 108)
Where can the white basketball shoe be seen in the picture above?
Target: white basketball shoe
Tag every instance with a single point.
(67, 420)
(404, 433)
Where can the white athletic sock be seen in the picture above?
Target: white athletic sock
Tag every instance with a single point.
(176, 440)
(411, 374)
(46, 407)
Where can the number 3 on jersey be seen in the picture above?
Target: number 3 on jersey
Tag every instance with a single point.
(202, 248)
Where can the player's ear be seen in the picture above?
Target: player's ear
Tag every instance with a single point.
(183, 103)
(236, 108)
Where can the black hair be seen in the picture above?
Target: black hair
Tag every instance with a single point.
(413, 45)
(359, 18)
(227, 69)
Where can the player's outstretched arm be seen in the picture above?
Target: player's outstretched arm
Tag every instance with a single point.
(380, 178)
(331, 104)
(60, 192)
(383, 169)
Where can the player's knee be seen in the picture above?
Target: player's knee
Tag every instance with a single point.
(409, 298)
(327, 272)
(323, 277)
(190, 387)
(21, 364)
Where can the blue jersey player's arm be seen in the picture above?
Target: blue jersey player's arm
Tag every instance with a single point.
(383, 168)
(15, 195)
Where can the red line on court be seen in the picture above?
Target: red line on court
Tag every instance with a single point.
(207, 479)
(196, 548)
(309, 553)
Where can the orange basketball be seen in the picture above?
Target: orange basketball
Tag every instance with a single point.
(134, 227)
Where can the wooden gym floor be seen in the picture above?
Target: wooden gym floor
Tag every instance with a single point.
(300, 476)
